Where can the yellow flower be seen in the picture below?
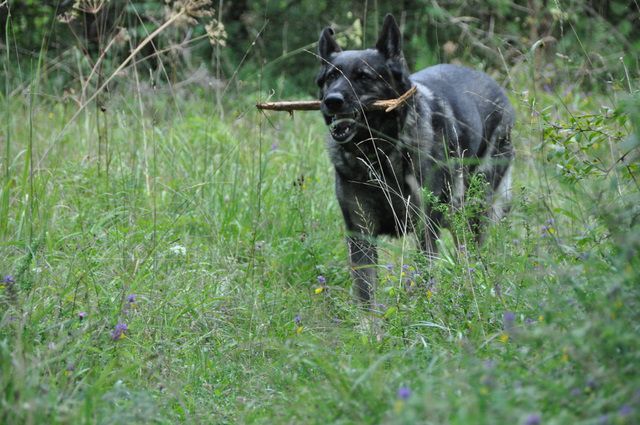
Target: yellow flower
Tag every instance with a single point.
(503, 338)
(429, 294)
(319, 289)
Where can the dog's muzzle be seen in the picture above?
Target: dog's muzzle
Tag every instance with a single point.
(344, 126)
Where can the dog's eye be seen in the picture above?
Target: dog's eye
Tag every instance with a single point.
(366, 75)
(332, 76)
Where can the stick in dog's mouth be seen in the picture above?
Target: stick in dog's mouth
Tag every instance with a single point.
(314, 105)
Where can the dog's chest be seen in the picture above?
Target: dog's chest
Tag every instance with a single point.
(368, 162)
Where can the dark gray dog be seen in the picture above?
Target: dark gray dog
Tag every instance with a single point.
(393, 168)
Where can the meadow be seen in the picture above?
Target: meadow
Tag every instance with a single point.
(168, 259)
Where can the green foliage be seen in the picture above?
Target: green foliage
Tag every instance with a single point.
(220, 227)
(205, 230)
(572, 40)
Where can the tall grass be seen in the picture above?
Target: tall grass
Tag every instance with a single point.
(218, 243)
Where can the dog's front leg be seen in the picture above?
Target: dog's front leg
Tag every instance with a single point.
(429, 232)
(364, 257)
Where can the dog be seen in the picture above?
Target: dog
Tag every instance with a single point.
(393, 169)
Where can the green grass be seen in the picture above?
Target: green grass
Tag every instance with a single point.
(220, 227)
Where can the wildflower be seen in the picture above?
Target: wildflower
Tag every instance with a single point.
(66, 17)
(7, 280)
(178, 250)
(185, 12)
(119, 331)
(625, 411)
(91, 7)
(532, 419)
(503, 338)
(298, 321)
(389, 267)
(404, 393)
(82, 315)
(216, 33)
(131, 298)
(322, 280)
(274, 146)
(548, 229)
(508, 319)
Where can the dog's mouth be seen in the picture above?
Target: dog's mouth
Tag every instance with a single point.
(344, 126)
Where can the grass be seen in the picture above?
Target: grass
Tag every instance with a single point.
(220, 229)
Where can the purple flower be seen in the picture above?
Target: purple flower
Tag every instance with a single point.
(274, 146)
(508, 319)
(404, 393)
(118, 331)
(389, 267)
(322, 280)
(625, 411)
(82, 315)
(297, 320)
(8, 279)
(532, 419)
(131, 298)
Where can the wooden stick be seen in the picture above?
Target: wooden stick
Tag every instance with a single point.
(314, 105)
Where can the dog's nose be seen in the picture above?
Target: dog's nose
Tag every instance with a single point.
(334, 101)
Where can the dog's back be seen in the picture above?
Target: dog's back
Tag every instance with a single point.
(473, 114)
(478, 105)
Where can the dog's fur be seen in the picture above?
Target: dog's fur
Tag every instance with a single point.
(457, 125)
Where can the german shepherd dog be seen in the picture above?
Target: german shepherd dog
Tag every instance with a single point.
(393, 168)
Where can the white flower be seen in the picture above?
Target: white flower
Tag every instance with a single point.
(178, 250)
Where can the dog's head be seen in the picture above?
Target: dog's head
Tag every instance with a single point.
(350, 80)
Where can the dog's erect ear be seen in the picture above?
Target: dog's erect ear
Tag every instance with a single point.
(327, 45)
(390, 40)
